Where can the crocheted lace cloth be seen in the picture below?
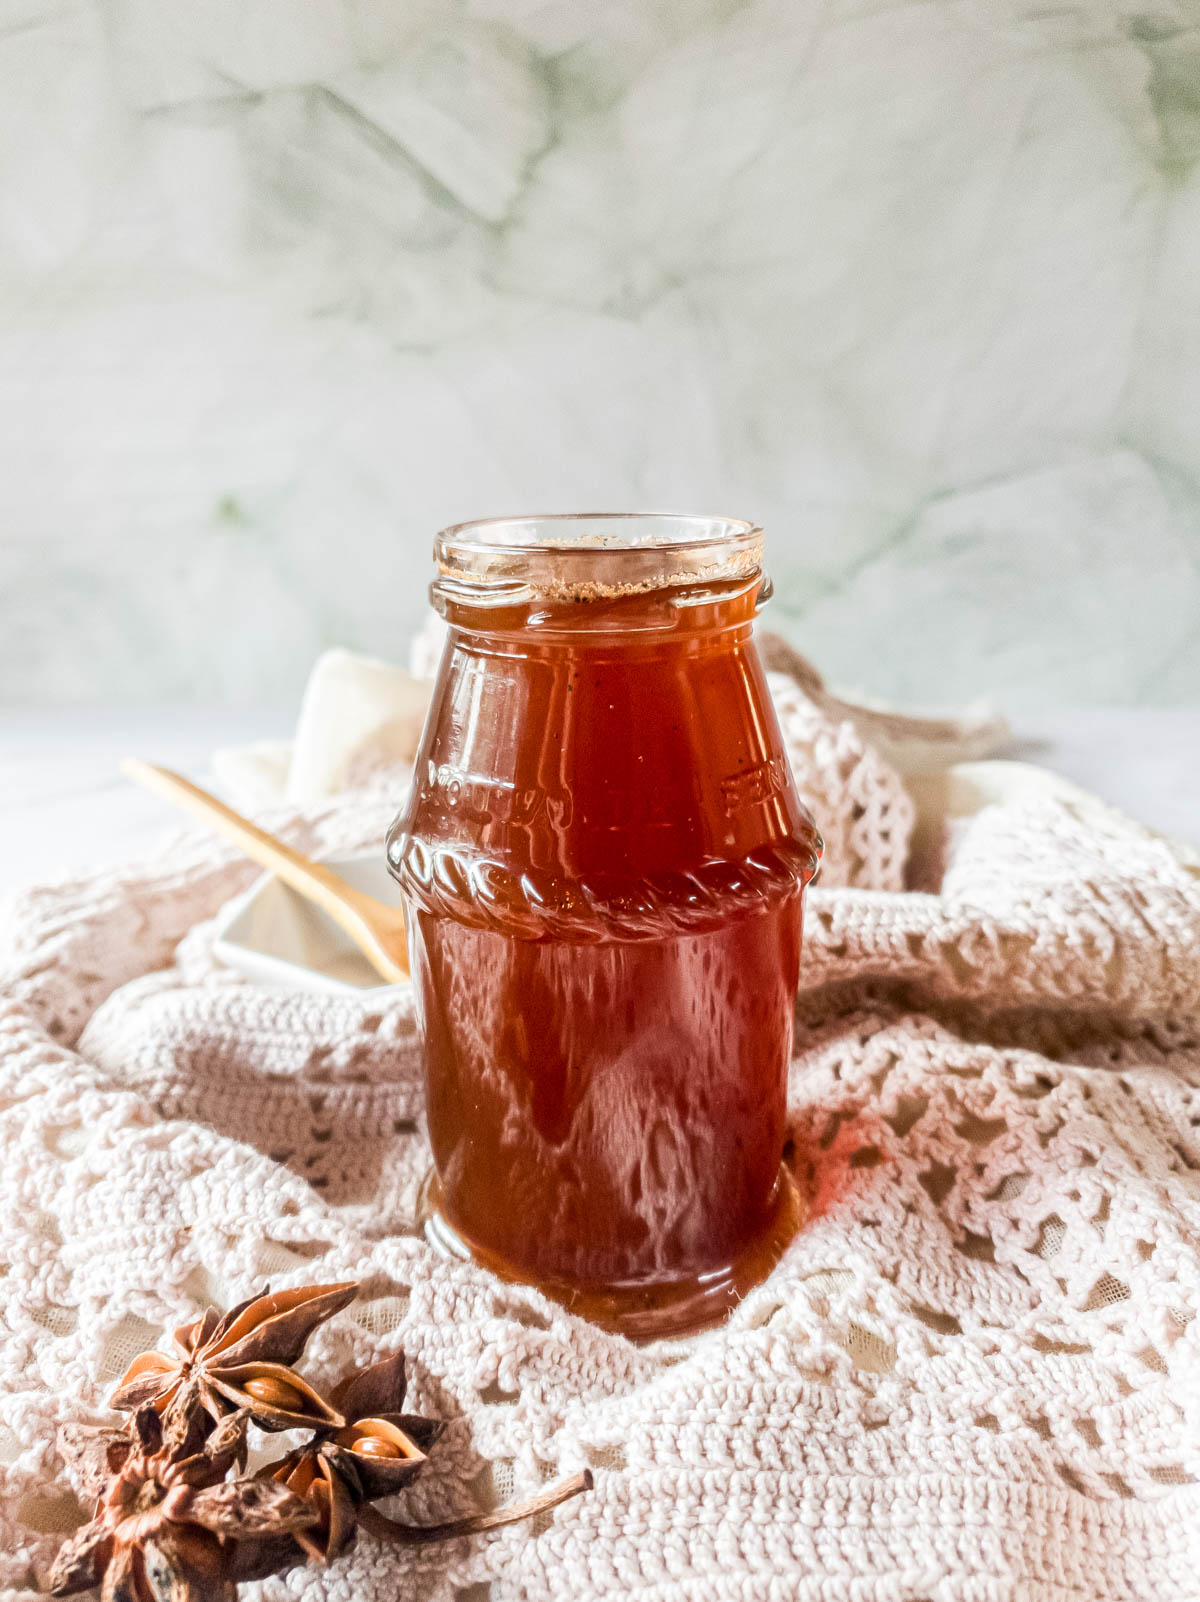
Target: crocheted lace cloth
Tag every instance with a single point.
(974, 1375)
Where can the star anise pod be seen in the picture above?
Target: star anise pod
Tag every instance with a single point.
(95, 1455)
(173, 1522)
(243, 1359)
(379, 1451)
(165, 1522)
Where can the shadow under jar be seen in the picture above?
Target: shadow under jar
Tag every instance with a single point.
(603, 858)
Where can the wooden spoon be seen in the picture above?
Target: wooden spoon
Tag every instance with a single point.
(376, 929)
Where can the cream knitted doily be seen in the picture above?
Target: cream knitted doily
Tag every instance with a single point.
(975, 1375)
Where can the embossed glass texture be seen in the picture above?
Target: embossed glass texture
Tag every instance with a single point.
(604, 858)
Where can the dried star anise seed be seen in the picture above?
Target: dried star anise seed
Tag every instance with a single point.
(162, 1527)
(242, 1360)
(383, 1455)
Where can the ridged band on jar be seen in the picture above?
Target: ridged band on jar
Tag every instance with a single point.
(484, 894)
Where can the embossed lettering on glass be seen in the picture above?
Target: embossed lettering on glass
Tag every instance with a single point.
(604, 860)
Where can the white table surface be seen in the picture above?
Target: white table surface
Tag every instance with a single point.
(64, 804)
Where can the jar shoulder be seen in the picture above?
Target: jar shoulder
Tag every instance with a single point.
(606, 790)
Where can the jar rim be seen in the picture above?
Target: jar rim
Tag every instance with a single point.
(594, 554)
(519, 530)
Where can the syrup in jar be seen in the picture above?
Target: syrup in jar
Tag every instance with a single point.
(603, 858)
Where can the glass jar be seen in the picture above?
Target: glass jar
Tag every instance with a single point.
(603, 858)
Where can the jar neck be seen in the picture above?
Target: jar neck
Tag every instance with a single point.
(661, 613)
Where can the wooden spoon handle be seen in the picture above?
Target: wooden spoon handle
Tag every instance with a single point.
(368, 922)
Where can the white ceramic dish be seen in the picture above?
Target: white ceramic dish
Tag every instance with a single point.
(275, 937)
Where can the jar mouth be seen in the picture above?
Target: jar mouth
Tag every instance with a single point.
(586, 555)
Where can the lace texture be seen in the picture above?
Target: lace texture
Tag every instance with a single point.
(974, 1375)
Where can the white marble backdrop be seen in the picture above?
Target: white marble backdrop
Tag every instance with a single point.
(287, 284)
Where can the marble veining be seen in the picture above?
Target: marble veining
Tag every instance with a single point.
(283, 288)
